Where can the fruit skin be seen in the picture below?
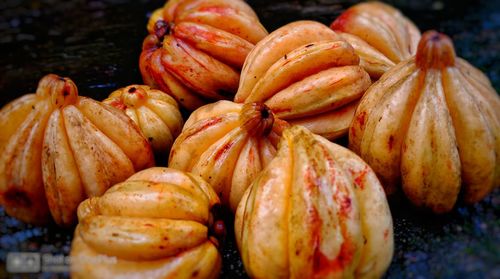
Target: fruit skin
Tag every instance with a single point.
(58, 148)
(156, 224)
(316, 211)
(431, 125)
(307, 75)
(227, 144)
(155, 112)
(196, 49)
(380, 34)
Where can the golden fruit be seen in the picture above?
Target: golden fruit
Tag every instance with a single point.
(227, 144)
(155, 112)
(307, 75)
(380, 35)
(196, 49)
(431, 124)
(156, 224)
(316, 211)
(58, 148)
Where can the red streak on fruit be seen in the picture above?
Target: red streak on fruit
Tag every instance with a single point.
(324, 266)
(223, 150)
(342, 21)
(206, 125)
(358, 177)
(391, 142)
(386, 234)
(193, 31)
(345, 205)
(218, 10)
(361, 119)
(118, 104)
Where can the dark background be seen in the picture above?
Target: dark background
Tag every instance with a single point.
(97, 44)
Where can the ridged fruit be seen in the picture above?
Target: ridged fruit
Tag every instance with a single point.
(431, 124)
(316, 211)
(196, 49)
(307, 75)
(155, 112)
(380, 34)
(227, 144)
(57, 148)
(159, 223)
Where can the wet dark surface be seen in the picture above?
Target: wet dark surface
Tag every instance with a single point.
(97, 44)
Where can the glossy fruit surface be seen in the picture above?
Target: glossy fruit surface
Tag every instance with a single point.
(432, 125)
(307, 75)
(155, 112)
(316, 211)
(196, 49)
(58, 148)
(227, 144)
(157, 224)
(381, 35)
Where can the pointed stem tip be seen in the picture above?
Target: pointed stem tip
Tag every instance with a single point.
(435, 51)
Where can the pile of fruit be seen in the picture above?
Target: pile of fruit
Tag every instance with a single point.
(263, 112)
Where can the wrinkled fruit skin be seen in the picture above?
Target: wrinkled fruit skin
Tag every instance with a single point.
(380, 34)
(227, 144)
(316, 211)
(155, 112)
(432, 125)
(58, 148)
(196, 49)
(156, 224)
(308, 75)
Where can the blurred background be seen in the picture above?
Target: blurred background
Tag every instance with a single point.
(97, 44)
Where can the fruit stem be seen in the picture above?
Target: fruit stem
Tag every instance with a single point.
(435, 51)
(217, 228)
(161, 29)
(257, 119)
(61, 91)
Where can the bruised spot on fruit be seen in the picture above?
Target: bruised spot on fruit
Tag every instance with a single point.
(161, 247)
(280, 110)
(391, 142)
(386, 234)
(218, 10)
(345, 205)
(361, 118)
(309, 45)
(148, 225)
(17, 197)
(114, 234)
(223, 150)
(195, 273)
(132, 90)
